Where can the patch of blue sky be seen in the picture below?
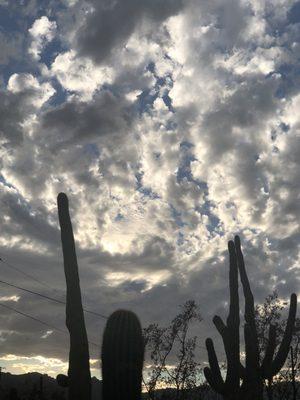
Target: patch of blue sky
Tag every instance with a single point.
(119, 217)
(145, 100)
(6, 183)
(21, 200)
(51, 50)
(149, 95)
(146, 191)
(92, 150)
(184, 169)
(16, 17)
(180, 239)
(290, 80)
(214, 223)
(284, 127)
(293, 15)
(177, 216)
(60, 95)
(11, 21)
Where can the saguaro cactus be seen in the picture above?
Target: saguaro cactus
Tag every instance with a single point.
(253, 373)
(79, 377)
(122, 357)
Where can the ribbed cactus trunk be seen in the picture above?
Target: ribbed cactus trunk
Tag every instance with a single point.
(79, 377)
(41, 391)
(122, 357)
(253, 373)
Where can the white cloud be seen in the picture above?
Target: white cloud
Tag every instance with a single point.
(10, 298)
(80, 75)
(39, 93)
(178, 133)
(42, 32)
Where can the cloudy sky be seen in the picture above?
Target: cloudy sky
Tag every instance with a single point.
(171, 125)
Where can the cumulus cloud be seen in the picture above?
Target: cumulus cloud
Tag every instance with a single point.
(42, 32)
(98, 36)
(38, 93)
(80, 75)
(171, 126)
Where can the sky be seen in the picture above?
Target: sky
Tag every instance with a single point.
(172, 125)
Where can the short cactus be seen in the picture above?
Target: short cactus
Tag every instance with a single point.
(122, 357)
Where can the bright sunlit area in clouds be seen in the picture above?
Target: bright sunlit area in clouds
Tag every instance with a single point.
(171, 125)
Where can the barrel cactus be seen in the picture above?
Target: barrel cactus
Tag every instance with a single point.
(122, 357)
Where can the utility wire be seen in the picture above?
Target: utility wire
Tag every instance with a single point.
(47, 297)
(50, 298)
(40, 321)
(25, 274)
(44, 284)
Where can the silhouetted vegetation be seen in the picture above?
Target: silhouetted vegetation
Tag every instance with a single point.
(269, 313)
(246, 382)
(122, 357)
(79, 376)
(162, 343)
(268, 343)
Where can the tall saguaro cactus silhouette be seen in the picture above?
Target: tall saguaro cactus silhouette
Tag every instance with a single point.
(253, 373)
(79, 377)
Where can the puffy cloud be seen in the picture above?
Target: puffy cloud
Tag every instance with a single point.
(108, 26)
(172, 126)
(80, 75)
(74, 121)
(42, 31)
(38, 93)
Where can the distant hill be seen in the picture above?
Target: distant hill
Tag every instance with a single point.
(28, 386)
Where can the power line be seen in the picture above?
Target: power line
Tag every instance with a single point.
(40, 321)
(24, 273)
(50, 298)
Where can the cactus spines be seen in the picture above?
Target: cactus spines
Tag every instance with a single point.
(252, 374)
(122, 357)
(79, 377)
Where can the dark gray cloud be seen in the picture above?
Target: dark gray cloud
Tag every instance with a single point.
(294, 13)
(151, 220)
(75, 122)
(13, 112)
(110, 24)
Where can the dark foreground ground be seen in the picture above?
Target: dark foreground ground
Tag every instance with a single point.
(35, 386)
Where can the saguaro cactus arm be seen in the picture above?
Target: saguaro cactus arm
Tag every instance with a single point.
(250, 331)
(230, 336)
(213, 374)
(269, 354)
(79, 381)
(253, 374)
